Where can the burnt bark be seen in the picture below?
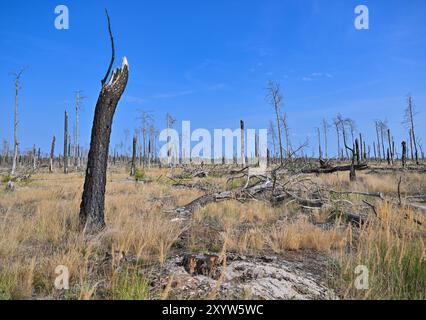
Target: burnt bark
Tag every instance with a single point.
(93, 200)
(243, 157)
(133, 168)
(358, 154)
(52, 154)
(404, 153)
(335, 169)
(66, 143)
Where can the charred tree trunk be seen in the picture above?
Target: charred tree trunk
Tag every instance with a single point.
(358, 160)
(410, 114)
(52, 154)
(243, 157)
(352, 172)
(34, 158)
(319, 144)
(15, 123)
(404, 153)
(411, 146)
(374, 149)
(133, 168)
(390, 147)
(39, 157)
(66, 143)
(365, 151)
(378, 143)
(93, 200)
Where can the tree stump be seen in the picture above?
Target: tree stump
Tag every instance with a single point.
(202, 264)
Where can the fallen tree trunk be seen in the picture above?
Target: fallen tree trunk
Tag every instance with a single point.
(353, 218)
(204, 200)
(336, 169)
(367, 194)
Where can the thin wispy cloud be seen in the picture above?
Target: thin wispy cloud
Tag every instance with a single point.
(317, 75)
(169, 95)
(173, 94)
(134, 100)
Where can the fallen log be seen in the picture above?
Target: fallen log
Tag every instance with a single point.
(204, 200)
(367, 194)
(335, 169)
(352, 218)
(316, 203)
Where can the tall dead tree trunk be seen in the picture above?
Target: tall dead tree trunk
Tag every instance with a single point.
(336, 124)
(319, 143)
(133, 168)
(404, 153)
(15, 122)
(287, 136)
(34, 158)
(325, 128)
(93, 200)
(52, 154)
(275, 98)
(374, 149)
(357, 151)
(411, 146)
(243, 157)
(365, 151)
(352, 173)
(409, 114)
(378, 142)
(382, 127)
(390, 146)
(66, 143)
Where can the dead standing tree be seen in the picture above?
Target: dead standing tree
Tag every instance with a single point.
(336, 122)
(243, 153)
(134, 146)
(78, 101)
(66, 143)
(325, 127)
(93, 200)
(383, 127)
(404, 153)
(287, 136)
(147, 119)
(319, 144)
(273, 138)
(409, 120)
(352, 174)
(377, 124)
(275, 99)
(52, 154)
(15, 120)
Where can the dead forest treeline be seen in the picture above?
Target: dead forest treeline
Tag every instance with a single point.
(355, 150)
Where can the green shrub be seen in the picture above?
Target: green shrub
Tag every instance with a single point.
(6, 178)
(129, 284)
(140, 175)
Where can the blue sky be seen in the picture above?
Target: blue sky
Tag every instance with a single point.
(209, 62)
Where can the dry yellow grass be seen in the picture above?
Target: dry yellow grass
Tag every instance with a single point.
(304, 235)
(392, 246)
(39, 231)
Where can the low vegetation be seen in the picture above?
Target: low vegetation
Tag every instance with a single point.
(39, 230)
